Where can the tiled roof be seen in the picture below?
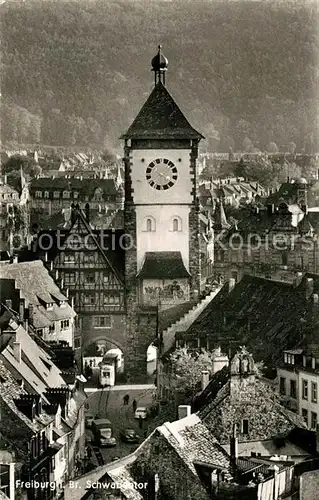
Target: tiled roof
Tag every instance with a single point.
(265, 315)
(84, 187)
(253, 400)
(38, 288)
(161, 118)
(9, 391)
(165, 265)
(36, 367)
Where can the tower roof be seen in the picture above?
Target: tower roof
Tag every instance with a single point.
(161, 118)
(220, 220)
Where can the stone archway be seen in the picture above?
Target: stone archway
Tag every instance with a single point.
(93, 353)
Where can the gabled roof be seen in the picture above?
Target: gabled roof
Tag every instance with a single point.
(9, 391)
(36, 367)
(161, 118)
(165, 265)
(265, 315)
(84, 186)
(38, 288)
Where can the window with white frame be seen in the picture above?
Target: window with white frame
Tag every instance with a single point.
(56, 194)
(69, 278)
(314, 420)
(304, 414)
(314, 392)
(65, 323)
(38, 194)
(46, 194)
(304, 389)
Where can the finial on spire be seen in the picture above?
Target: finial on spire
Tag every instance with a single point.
(159, 66)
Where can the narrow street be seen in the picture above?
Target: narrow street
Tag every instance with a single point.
(108, 403)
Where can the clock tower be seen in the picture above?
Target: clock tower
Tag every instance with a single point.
(161, 214)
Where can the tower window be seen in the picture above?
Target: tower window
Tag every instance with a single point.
(244, 426)
(177, 224)
(149, 224)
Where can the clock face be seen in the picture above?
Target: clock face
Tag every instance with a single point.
(161, 174)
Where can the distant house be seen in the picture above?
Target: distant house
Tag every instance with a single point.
(49, 310)
(45, 390)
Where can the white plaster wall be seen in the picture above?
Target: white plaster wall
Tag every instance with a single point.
(163, 238)
(144, 193)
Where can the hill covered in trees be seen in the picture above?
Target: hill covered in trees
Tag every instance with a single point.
(76, 73)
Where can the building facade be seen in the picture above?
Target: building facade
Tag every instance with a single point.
(298, 379)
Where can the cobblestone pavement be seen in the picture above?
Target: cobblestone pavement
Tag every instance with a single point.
(108, 403)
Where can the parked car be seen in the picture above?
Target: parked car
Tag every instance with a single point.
(102, 431)
(141, 411)
(129, 436)
(89, 417)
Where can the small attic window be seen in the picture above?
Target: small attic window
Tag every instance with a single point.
(49, 306)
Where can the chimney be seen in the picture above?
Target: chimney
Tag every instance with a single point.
(6, 178)
(184, 411)
(297, 279)
(309, 287)
(17, 351)
(231, 284)
(205, 379)
(56, 274)
(46, 257)
(15, 259)
(9, 303)
(31, 314)
(233, 447)
(21, 310)
(51, 265)
(219, 361)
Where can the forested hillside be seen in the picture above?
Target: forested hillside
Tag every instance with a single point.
(76, 73)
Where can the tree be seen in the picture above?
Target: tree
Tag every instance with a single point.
(28, 164)
(292, 147)
(247, 145)
(272, 148)
(187, 368)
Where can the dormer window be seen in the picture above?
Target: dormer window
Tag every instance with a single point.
(289, 358)
(56, 194)
(38, 194)
(49, 306)
(62, 303)
(66, 194)
(46, 194)
(75, 194)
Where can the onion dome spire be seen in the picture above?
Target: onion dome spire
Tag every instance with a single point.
(159, 66)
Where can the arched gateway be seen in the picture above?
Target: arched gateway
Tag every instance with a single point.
(118, 278)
